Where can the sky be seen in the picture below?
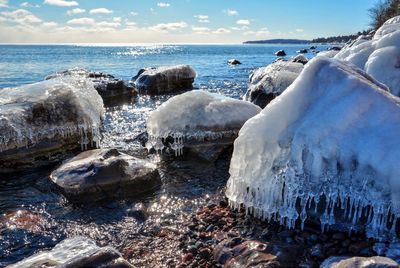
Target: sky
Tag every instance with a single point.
(177, 21)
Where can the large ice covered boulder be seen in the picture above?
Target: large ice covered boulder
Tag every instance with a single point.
(269, 82)
(197, 118)
(40, 122)
(330, 139)
(75, 252)
(165, 80)
(379, 57)
(109, 87)
(105, 173)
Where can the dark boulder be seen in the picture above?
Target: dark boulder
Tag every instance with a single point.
(280, 53)
(105, 173)
(234, 62)
(164, 80)
(302, 51)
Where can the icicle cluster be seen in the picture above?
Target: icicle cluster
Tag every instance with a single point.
(197, 116)
(327, 147)
(21, 127)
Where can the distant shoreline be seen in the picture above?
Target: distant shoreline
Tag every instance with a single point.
(279, 41)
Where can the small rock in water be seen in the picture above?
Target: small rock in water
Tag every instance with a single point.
(234, 62)
(280, 53)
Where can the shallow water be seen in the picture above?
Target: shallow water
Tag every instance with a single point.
(186, 185)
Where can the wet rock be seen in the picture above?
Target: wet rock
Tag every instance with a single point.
(234, 62)
(75, 252)
(302, 51)
(105, 173)
(110, 88)
(280, 53)
(356, 262)
(313, 47)
(23, 219)
(335, 48)
(164, 80)
(45, 122)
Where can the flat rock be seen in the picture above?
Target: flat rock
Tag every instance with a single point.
(164, 80)
(105, 173)
(75, 252)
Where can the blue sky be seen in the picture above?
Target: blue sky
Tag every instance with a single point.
(177, 21)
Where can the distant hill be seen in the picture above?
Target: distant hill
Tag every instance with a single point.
(279, 41)
(340, 38)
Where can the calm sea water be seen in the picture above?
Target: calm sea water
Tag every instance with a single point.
(186, 185)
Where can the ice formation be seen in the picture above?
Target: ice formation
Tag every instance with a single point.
(330, 139)
(46, 109)
(268, 82)
(379, 57)
(197, 115)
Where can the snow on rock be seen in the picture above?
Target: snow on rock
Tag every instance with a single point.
(269, 82)
(75, 252)
(54, 110)
(332, 134)
(197, 115)
(163, 80)
(105, 173)
(379, 57)
(106, 85)
(328, 53)
(300, 59)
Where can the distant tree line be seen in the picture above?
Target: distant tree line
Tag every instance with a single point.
(379, 13)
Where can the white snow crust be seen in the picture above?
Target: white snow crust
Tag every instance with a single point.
(61, 106)
(333, 133)
(197, 114)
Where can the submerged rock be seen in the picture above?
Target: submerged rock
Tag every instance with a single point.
(41, 122)
(280, 53)
(197, 119)
(269, 82)
(75, 252)
(328, 144)
(379, 57)
(109, 87)
(356, 262)
(234, 62)
(105, 173)
(164, 80)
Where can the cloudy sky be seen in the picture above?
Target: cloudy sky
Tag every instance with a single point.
(177, 21)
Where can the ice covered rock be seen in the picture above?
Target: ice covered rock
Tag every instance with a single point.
(197, 118)
(269, 82)
(330, 139)
(75, 252)
(164, 80)
(300, 59)
(109, 87)
(379, 57)
(103, 173)
(359, 262)
(40, 122)
(328, 53)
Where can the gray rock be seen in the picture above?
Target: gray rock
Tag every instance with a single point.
(109, 87)
(164, 80)
(42, 123)
(75, 253)
(105, 173)
(359, 262)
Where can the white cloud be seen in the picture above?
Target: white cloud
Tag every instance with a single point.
(222, 31)
(27, 4)
(201, 30)
(21, 16)
(261, 32)
(100, 11)
(117, 19)
(108, 24)
(243, 22)
(82, 22)
(299, 30)
(130, 23)
(134, 13)
(50, 24)
(166, 27)
(3, 3)
(163, 5)
(202, 18)
(231, 12)
(75, 11)
(61, 3)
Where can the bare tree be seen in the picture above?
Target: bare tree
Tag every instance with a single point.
(382, 11)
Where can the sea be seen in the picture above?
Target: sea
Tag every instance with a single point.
(186, 185)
